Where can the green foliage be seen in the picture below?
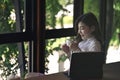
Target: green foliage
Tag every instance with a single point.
(49, 51)
(51, 11)
(8, 52)
(51, 46)
(5, 11)
(91, 6)
(68, 19)
(62, 58)
(116, 24)
(65, 2)
(52, 8)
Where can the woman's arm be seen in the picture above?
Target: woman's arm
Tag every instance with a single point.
(66, 49)
(74, 47)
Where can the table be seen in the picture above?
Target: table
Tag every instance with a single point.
(110, 72)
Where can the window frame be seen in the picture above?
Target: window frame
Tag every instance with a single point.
(36, 34)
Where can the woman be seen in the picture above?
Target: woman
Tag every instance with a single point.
(88, 35)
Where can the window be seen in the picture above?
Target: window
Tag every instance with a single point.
(14, 36)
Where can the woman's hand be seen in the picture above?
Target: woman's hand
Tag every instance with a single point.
(66, 49)
(74, 46)
(71, 47)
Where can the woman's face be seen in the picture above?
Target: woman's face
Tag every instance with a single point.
(84, 30)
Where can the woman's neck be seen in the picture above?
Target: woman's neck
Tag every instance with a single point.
(88, 37)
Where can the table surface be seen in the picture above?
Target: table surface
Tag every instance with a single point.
(110, 72)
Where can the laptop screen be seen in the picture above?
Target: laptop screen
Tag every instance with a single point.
(86, 65)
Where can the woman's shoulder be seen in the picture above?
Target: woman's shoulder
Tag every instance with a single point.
(90, 41)
(94, 41)
(94, 45)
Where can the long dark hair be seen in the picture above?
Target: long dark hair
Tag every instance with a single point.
(90, 20)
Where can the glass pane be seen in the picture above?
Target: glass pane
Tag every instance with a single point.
(113, 54)
(55, 56)
(11, 59)
(92, 6)
(9, 14)
(59, 14)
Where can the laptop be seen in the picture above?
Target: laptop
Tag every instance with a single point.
(86, 65)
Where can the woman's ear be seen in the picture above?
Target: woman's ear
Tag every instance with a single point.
(92, 28)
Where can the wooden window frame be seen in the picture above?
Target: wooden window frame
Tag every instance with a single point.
(36, 34)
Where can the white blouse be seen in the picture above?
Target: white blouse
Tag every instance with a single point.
(90, 44)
